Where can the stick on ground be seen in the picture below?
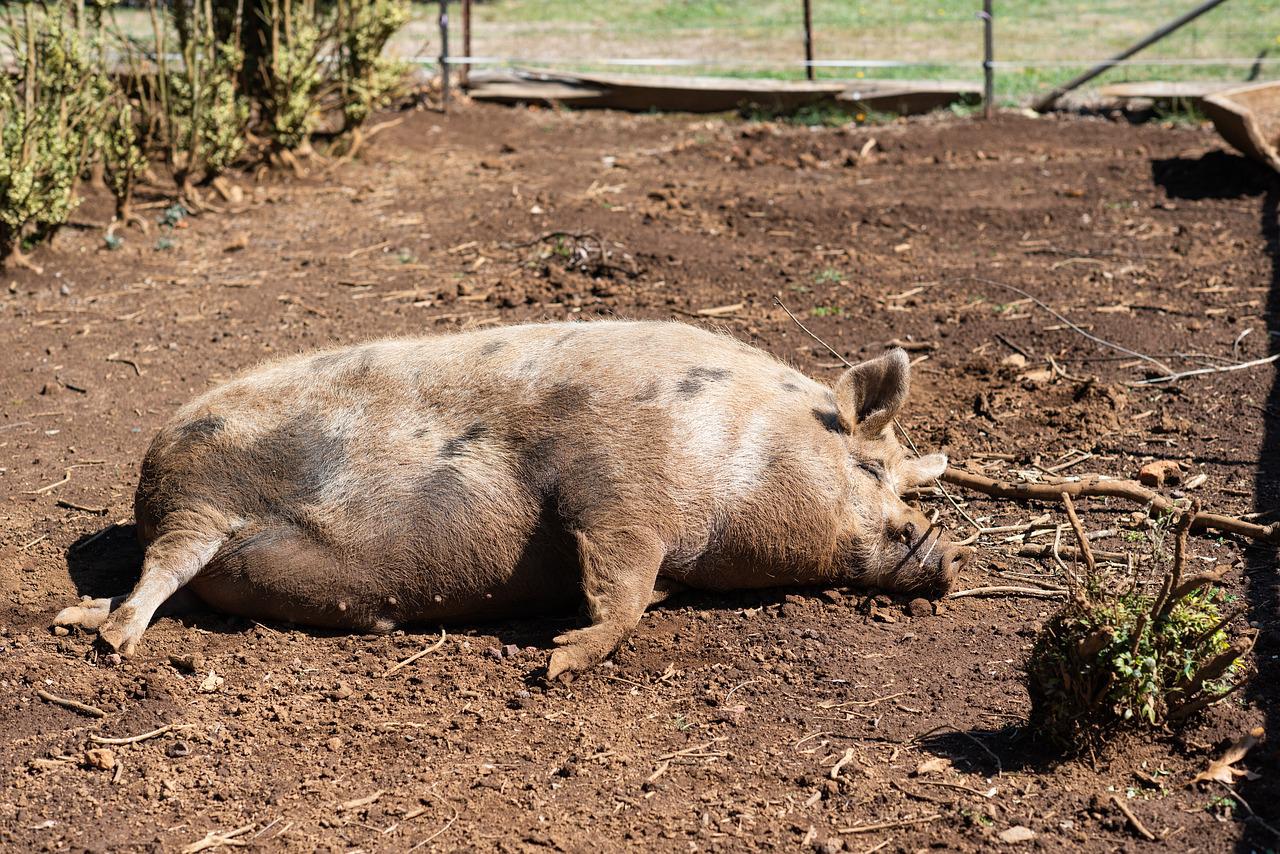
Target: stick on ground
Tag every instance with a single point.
(73, 705)
(419, 654)
(1097, 486)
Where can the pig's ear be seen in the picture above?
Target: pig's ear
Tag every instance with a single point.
(870, 394)
(918, 470)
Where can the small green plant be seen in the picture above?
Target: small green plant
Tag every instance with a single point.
(827, 311)
(1123, 658)
(295, 75)
(50, 117)
(828, 276)
(367, 80)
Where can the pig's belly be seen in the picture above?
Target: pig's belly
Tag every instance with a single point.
(280, 572)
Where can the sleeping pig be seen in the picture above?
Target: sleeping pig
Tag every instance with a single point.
(520, 470)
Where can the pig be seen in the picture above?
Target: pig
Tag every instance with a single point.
(520, 470)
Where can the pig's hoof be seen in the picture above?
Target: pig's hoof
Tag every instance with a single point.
(118, 634)
(566, 661)
(577, 651)
(89, 614)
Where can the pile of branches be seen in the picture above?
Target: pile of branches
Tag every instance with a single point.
(1115, 656)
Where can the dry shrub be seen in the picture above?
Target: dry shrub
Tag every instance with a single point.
(1117, 658)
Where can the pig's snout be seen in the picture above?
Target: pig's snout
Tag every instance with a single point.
(932, 562)
(953, 559)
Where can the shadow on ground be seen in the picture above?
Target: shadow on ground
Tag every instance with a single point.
(1219, 175)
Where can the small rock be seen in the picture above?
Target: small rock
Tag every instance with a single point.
(187, 662)
(1160, 473)
(882, 616)
(932, 766)
(510, 650)
(830, 845)
(1032, 379)
(239, 241)
(334, 744)
(341, 691)
(61, 631)
(211, 683)
(100, 758)
(494, 653)
(920, 607)
(1014, 360)
(177, 750)
(1017, 833)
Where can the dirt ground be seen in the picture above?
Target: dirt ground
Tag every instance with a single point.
(783, 719)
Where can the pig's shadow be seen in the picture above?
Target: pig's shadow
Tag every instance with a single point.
(105, 563)
(109, 563)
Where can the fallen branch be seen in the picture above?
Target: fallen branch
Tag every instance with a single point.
(1093, 485)
(1046, 551)
(889, 825)
(1094, 338)
(217, 839)
(1198, 371)
(1002, 590)
(1134, 821)
(74, 705)
(134, 739)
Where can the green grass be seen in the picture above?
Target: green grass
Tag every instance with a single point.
(942, 38)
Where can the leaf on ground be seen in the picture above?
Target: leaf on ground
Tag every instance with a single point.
(1220, 769)
(1017, 833)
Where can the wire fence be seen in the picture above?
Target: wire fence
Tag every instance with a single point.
(1038, 43)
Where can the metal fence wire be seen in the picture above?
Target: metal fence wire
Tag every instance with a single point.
(1039, 44)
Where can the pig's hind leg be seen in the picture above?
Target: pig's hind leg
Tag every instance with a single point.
(619, 569)
(172, 560)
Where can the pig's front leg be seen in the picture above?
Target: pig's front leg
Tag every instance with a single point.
(619, 568)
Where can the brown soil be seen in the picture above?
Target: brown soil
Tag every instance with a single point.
(721, 723)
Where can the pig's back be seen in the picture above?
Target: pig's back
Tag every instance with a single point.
(372, 445)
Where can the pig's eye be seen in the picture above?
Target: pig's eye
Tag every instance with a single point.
(874, 470)
(907, 533)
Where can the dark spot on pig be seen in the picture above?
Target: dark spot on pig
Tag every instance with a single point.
(830, 419)
(492, 347)
(291, 463)
(458, 445)
(329, 361)
(696, 378)
(564, 339)
(445, 498)
(649, 392)
(565, 400)
(201, 429)
(789, 386)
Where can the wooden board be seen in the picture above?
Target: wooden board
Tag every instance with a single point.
(1165, 90)
(1248, 117)
(643, 92)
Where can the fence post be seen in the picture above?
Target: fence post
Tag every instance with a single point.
(444, 53)
(466, 41)
(988, 58)
(808, 40)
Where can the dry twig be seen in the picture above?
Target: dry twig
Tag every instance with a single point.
(1134, 821)
(74, 705)
(134, 739)
(419, 654)
(1093, 485)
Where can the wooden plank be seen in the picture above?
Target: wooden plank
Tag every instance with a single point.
(1248, 117)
